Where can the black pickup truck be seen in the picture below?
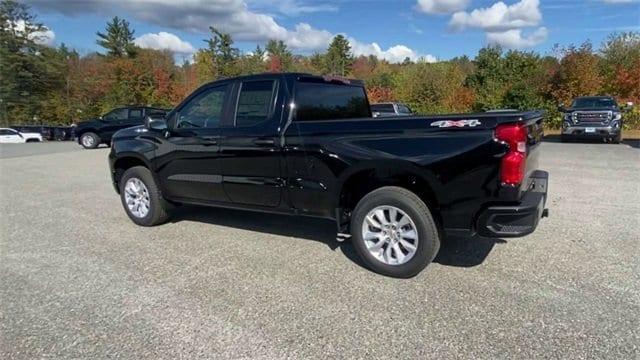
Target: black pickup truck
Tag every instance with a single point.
(308, 145)
(93, 132)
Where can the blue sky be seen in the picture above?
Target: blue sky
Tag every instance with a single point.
(432, 29)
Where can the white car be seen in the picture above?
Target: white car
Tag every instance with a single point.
(13, 136)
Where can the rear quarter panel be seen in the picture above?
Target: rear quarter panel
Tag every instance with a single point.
(460, 165)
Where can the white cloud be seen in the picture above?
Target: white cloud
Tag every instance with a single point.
(164, 41)
(394, 54)
(45, 37)
(499, 17)
(442, 6)
(231, 16)
(503, 24)
(305, 37)
(514, 38)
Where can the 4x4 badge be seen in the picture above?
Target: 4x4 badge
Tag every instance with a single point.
(456, 123)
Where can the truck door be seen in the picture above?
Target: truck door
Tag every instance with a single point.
(187, 161)
(112, 122)
(250, 151)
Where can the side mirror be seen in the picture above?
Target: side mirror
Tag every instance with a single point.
(156, 122)
(561, 108)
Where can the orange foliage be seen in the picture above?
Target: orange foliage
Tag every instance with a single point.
(628, 82)
(378, 94)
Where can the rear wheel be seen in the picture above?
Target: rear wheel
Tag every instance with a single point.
(565, 138)
(394, 233)
(141, 197)
(89, 140)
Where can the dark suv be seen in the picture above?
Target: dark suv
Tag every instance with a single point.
(94, 132)
(592, 117)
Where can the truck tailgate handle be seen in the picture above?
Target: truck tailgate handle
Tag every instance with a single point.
(264, 142)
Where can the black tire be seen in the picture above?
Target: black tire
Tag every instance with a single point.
(565, 139)
(617, 139)
(405, 200)
(92, 140)
(33, 140)
(159, 208)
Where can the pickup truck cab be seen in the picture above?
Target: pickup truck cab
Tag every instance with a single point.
(593, 117)
(308, 145)
(92, 133)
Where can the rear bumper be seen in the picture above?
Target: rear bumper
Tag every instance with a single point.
(518, 219)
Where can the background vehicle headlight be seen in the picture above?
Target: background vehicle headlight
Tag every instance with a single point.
(617, 116)
(566, 124)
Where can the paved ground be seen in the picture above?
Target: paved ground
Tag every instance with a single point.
(79, 280)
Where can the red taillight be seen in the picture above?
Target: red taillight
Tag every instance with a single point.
(515, 161)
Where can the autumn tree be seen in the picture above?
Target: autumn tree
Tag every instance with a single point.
(280, 57)
(117, 38)
(621, 65)
(577, 74)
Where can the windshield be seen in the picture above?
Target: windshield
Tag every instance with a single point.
(593, 103)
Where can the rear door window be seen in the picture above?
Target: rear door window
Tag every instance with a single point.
(323, 101)
(116, 115)
(135, 113)
(254, 102)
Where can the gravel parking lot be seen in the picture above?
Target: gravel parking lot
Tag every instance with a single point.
(79, 280)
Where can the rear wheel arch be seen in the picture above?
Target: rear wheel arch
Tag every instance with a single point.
(363, 181)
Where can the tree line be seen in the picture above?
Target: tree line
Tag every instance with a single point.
(45, 85)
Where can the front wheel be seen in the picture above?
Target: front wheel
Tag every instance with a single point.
(394, 233)
(141, 197)
(89, 140)
(617, 139)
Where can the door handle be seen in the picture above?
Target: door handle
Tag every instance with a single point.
(264, 142)
(209, 140)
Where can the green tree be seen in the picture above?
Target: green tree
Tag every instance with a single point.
(223, 54)
(489, 79)
(23, 78)
(280, 57)
(252, 63)
(430, 88)
(338, 59)
(117, 39)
